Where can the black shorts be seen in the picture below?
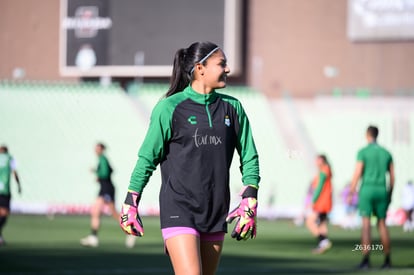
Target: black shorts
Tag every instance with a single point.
(107, 191)
(322, 217)
(5, 201)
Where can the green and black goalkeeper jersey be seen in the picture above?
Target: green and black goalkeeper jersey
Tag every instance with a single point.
(193, 137)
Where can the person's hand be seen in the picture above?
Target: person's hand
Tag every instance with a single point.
(130, 220)
(349, 197)
(245, 214)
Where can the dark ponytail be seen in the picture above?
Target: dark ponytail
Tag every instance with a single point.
(184, 62)
(180, 77)
(325, 160)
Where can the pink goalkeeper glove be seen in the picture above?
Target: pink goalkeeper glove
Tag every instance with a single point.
(245, 214)
(130, 220)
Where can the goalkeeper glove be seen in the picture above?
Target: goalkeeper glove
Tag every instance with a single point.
(245, 214)
(130, 220)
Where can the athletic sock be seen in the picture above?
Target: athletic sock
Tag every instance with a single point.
(387, 259)
(321, 237)
(94, 232)
(3, 220)
(365, 262)
(387, 262)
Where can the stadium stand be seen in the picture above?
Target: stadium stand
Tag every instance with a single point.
(51, 130)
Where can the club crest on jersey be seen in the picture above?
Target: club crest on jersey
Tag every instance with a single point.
(227, 121)
(192, 120)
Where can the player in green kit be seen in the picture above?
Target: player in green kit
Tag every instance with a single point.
(373, 164)
(7, 167)
(106, 196)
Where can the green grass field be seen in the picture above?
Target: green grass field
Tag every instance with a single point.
(42, 245)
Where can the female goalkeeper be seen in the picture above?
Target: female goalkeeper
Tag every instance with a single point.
(193, 133)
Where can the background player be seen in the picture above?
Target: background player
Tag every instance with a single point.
(317, 220)
(7, 167)
(373, 163)
(193, 133)
(106, 196)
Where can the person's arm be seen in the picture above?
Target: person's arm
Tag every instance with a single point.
(152, 150)
(249, 158)
(151, 153)
(246, 212)
(319, 187)
(16, 176)
(392, 176)
(392, 180)
(359, 167)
